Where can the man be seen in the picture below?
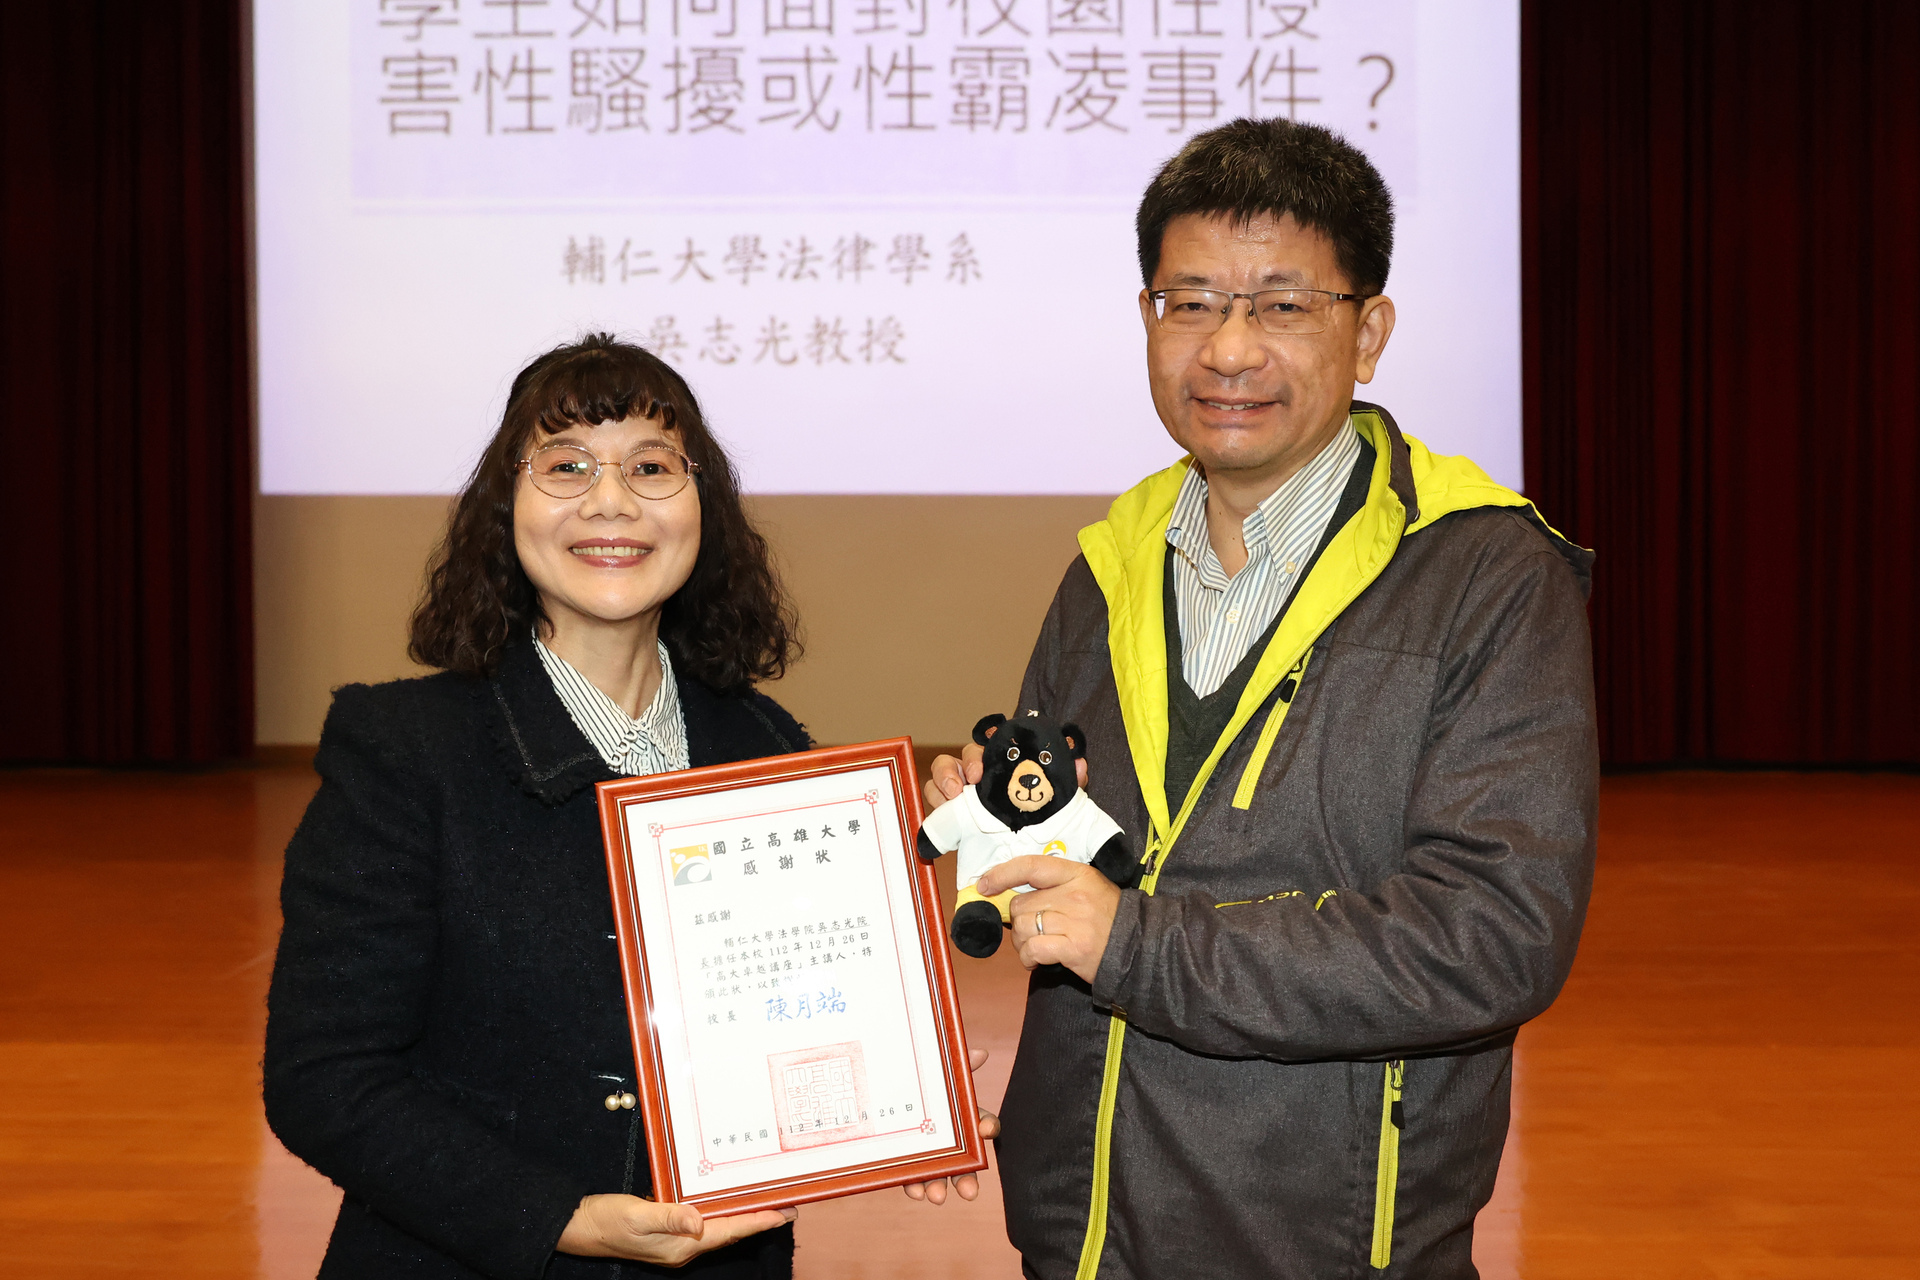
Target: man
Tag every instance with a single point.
(1338, 689)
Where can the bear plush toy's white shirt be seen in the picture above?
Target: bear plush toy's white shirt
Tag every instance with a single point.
(983, 841)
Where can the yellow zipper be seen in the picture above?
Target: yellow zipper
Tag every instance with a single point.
(1092, 1242)
(1387, 1178)
(1256, 765)
(1096, 1237)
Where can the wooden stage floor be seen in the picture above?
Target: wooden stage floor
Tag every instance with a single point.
(1721, 1091)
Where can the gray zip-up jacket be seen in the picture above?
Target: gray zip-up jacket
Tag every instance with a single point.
(1295, 1059)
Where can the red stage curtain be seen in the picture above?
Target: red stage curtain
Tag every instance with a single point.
(1722, 360)
(126, 564)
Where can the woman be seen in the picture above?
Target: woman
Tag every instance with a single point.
(447, 1036)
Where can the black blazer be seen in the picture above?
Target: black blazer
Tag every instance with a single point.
(446, 1018)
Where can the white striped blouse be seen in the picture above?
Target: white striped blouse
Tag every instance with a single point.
(1221, 617)
(655, 743)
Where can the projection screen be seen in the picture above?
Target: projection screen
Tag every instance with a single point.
(889, 242)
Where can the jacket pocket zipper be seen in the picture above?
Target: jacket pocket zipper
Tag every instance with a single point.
(1387, 1177)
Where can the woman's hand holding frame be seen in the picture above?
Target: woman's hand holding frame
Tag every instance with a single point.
(670, 1235)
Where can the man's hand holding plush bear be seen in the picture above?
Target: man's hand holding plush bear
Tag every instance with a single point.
(1079, 903)
(1087, 910)
(1028, 808)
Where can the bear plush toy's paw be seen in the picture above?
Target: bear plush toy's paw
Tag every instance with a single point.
(976, 929)
(927, 849)
(1115, 862)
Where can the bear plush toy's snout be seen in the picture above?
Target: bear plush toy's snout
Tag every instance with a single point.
(1028, 802)
(1028, 788)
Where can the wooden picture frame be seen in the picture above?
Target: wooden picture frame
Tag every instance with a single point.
(785, 1052)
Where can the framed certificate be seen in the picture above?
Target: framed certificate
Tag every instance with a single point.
(794, 1015)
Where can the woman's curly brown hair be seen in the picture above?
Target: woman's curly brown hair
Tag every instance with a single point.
(729, 626)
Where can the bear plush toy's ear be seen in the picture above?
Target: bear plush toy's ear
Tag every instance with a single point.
(1076, 740)
(984, 730)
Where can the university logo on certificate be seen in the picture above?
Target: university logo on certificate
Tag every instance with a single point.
(793, 1009)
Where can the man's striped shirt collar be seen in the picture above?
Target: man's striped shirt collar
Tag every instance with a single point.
(1221, 617)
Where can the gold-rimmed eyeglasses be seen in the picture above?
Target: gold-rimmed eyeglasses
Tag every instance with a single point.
(569, 471)
(1292, 312)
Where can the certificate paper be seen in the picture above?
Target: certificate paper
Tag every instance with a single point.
(788, 983)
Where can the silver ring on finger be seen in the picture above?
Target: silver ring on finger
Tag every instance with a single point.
(1040, 922)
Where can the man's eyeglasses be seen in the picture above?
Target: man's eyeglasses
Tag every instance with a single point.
(568, 471)
(1289, 312)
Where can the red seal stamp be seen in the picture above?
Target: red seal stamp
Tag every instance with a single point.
(820, 1095)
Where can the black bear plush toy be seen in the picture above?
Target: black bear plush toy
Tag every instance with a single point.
(1028, 801)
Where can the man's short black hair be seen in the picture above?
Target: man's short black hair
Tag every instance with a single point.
(1252, 167)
